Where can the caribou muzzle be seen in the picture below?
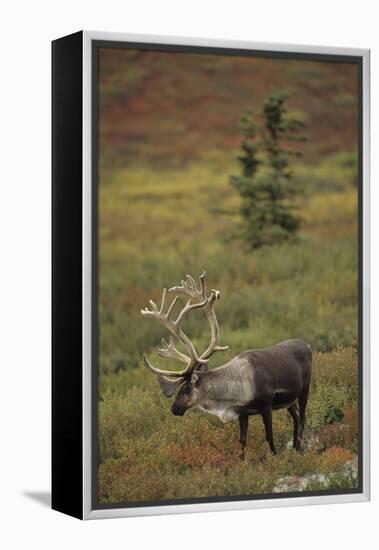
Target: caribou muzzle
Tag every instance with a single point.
(177, 410)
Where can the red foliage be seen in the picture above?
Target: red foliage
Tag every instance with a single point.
(200, 455)
(334, 457)
(341, 434)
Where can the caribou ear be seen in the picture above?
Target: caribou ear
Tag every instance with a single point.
(202, 367)
(194, 378)
(168, 386)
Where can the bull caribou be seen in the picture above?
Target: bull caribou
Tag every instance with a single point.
(255, 382)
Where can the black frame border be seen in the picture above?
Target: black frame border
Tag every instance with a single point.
(67, 256)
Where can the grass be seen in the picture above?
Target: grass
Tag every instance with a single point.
(156, 225)
(148, 454)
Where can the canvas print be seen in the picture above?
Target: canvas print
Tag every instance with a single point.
(228, 275)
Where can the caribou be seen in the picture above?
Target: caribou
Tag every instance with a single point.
(255, 382)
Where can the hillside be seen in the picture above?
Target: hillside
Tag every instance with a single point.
(171, 108)
(169, 140)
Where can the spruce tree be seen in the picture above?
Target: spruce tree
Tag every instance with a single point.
(265, 181)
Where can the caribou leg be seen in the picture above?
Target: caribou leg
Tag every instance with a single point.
(294, 412)
(267, 420)
(243, 421)
(303, 399)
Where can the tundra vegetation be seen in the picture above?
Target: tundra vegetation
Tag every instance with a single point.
(160, 185)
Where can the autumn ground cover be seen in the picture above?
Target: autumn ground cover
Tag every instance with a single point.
(163, 180)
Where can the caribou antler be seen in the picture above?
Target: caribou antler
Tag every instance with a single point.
(193, 361)
(189, 287)
(169, 350)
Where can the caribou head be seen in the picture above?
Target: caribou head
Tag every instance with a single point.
(186, 379)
